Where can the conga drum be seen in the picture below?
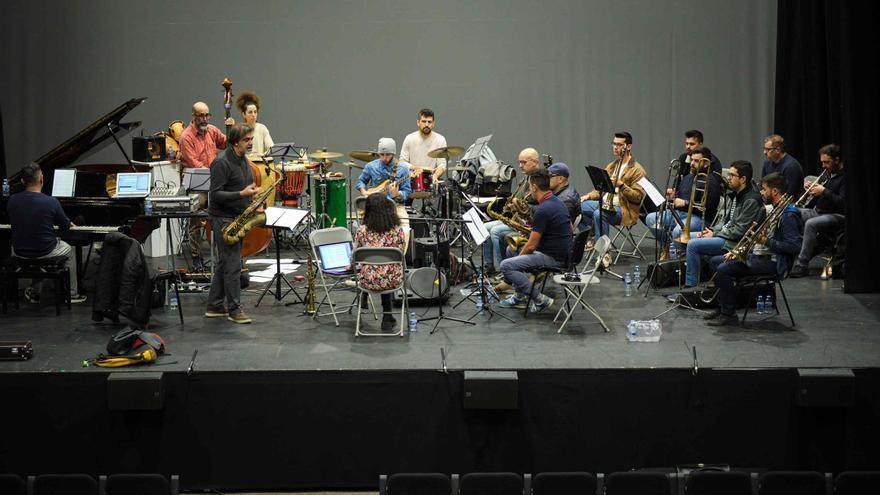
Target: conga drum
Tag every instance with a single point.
(294, 182)
(329, 191)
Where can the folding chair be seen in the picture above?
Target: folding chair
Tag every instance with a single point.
(788, 482)
(627, 232)
(753, 282)
(491, 484)
(857, 482)
(380, 256)
(575, 290)
(322, 237)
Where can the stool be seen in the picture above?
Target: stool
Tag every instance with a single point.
(54, 268)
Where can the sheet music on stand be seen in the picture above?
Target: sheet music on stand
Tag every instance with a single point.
(476, 149)
(475, 226)
(288, 218)
(653, 193)
(286, 150)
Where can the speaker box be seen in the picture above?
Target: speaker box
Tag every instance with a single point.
(826, 387)
(490, 390)
(665, 273)
(148, 148)
(135, 391)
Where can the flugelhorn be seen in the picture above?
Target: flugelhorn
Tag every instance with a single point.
(805, 199)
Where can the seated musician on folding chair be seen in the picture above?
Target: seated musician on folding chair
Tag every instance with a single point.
(625, 201)
(549, 245)
(33, 217)
(770, 255)
(381, 228)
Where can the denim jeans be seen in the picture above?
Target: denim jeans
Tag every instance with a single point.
(726, 273)
(668, 222)
(514, 270)
(590, 213)
(814, 224)
(696, 249)
(492, 247)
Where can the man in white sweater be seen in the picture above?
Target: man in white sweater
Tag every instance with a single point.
(416, 145)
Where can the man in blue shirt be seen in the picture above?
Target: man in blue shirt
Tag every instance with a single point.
(33, 217)
(777, 160)
(549, 245)
(379, 170)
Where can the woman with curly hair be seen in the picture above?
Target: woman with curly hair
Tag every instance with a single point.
(249, 104)
(381, 228)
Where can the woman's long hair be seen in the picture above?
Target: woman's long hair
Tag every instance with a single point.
(380, 215)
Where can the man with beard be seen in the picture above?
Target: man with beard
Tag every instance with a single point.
(777, 160)
(198, 148)
(416, 145)
(232, 187)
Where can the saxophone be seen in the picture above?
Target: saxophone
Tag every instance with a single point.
(311, 274)
(251, 217)
(524, 231)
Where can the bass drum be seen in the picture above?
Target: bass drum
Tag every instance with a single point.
(336, 209)
(423, 283)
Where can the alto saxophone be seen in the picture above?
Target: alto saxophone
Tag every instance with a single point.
(250, 217)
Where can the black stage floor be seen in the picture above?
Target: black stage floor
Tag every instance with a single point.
(833, 329)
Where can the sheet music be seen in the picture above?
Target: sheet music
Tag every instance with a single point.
(475, 226)
(284, 217)
(653, 194)
(64, 183)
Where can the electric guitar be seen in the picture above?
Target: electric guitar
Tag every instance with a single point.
(386, 184)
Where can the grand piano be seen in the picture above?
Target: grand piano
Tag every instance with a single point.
(92, 209)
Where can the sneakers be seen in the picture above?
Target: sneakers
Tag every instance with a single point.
(541, 305)
(239, 317)
(32, 296)
(216, 313)
(715, 314)
(77, 298)
(515, 301)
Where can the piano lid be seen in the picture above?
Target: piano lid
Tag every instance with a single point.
(91, 139)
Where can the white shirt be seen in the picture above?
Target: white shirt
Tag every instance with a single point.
(415, 149)
(262, 141)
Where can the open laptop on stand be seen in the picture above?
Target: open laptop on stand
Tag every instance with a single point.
(133, 184)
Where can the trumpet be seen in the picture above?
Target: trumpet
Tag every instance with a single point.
(805, 199)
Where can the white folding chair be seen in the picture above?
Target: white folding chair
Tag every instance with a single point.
(381, 256)
(575, 290)
(323, 237)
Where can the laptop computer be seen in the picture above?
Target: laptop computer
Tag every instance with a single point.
(335, 257)
(133, 184)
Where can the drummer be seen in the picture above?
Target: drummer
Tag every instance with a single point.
(379, 170)
(416, 145)
(249, 104)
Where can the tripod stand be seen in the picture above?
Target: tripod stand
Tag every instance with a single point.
(438, 281)
(602, 183)
(277, 219)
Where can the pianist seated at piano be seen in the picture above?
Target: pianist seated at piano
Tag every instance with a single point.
(33, 217)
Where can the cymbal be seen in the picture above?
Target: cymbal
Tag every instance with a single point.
(352, 165)
(364, 156)
(446, 152)
(322, 155)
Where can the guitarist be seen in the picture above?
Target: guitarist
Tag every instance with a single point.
(385, 174)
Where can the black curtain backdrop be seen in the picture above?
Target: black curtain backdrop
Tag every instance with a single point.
(826, 91)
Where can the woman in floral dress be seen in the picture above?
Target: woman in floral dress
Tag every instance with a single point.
(381, 228)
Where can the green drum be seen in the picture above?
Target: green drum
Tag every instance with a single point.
(334, 189)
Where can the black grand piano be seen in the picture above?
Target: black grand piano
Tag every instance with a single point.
(93, 211)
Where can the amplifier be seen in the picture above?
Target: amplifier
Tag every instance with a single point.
(148, 148)
(16, 351)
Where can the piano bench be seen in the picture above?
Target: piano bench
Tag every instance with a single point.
(55, 268)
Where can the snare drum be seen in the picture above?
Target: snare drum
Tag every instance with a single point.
(294, 182)
(335, 191)
(421, 184)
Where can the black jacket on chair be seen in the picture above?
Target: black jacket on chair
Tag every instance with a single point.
(123, 282)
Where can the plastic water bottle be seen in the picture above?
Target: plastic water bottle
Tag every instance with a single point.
(148, 206)
(637, 275)
(413, 322)
(768, 304)
(644, 331)
(5, 188)
(479, 303)
(627, 284)
(673, 251)
(759, 305)
(172, 298)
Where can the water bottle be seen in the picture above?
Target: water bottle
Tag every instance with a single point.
(627, 284)
(413, 321)
(644, 331)
(673, 251)
(759, 305)
(479, 303)
(632, 333)
(637, 275)
(768, 304)
(172, 298)
(148, 206)
(5, 188)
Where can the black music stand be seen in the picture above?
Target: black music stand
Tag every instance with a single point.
(602, 183)
(287, 218)
(667, 208)
(438, 280)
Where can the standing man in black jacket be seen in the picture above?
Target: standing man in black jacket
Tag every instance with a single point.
(232, 186)
(827, 216)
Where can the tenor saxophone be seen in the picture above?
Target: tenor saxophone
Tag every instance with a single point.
(251, 217)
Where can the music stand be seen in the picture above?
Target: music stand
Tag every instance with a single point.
(438, 280)
(278, 219)
(602, 183)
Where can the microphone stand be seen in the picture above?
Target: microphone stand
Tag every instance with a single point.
(667, 208)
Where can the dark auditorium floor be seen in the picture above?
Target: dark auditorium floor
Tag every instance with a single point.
(834, 329)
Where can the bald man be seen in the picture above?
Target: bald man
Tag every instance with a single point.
(493, 252)
(198, 148)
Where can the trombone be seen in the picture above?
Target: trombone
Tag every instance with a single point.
(699, 177)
